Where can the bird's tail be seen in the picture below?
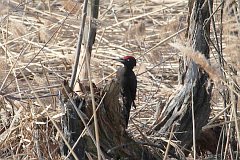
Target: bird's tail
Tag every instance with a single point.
(127, 108)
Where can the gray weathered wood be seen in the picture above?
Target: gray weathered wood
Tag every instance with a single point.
(178, 109)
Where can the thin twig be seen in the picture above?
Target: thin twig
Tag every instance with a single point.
(193, 126)
(94, 109)
(168, 144)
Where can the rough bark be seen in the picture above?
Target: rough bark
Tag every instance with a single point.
(72, 126)
(178, 109)
(85, 43)
(114, 140)
(88, 37)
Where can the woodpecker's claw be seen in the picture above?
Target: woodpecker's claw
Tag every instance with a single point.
(134, 105)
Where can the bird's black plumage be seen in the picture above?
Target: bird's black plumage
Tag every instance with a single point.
(128, 84)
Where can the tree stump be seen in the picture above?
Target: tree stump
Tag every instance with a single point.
(115, 142)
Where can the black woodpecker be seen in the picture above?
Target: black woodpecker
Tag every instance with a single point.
(128, 84)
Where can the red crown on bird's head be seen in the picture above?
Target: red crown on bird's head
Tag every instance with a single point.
(128, 57)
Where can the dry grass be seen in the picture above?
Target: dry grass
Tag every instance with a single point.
(38, 40)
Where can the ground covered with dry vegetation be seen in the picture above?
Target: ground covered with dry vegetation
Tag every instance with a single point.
(38, 42)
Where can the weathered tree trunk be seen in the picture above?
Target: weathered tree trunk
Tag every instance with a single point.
(73, 123)
(88, 37)
(114, 140)
(195, 90)
(85, 43)
(72, 127)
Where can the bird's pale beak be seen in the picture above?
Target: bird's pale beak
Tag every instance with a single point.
(119, 60)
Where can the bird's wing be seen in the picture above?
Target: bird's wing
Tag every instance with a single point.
(133, 86)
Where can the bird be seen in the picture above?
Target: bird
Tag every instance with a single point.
(128, 84)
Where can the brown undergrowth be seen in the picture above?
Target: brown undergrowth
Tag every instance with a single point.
(38, 41)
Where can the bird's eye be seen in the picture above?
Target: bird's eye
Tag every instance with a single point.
(127, 59)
